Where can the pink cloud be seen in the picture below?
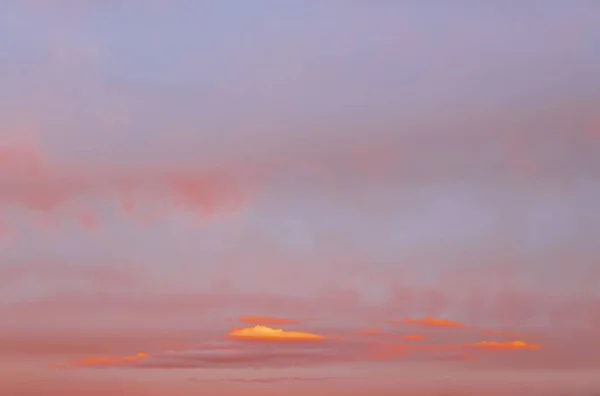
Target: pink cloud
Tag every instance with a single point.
(32, 181)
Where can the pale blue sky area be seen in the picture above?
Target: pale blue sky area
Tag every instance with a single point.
(162, 82)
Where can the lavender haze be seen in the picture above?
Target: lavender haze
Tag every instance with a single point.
(311, 197)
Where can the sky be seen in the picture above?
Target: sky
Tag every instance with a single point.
(311, 197)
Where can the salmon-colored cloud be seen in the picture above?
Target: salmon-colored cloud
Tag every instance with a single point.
(266, 320)
(33, 182)
(264, 333)
(504, 346)
(482, 345)
(431, 322)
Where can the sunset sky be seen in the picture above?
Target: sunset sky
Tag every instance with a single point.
(299, 197)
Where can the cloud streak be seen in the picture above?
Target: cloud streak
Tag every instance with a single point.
(505, 346)
(268, 334)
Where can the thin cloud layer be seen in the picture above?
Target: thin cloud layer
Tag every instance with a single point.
(299, 349)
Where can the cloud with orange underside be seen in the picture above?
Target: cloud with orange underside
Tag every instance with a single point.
(265, 333)
(447, 352)
(266, 320)
(431, 323)
(504, 346)
(481, 345)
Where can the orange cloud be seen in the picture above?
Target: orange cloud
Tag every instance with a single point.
(109, 361)
(505, 346)
(266, 320)
(431, 322)
(264, 333)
